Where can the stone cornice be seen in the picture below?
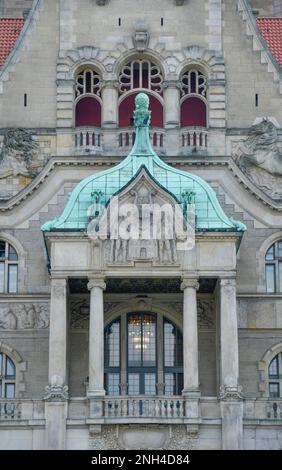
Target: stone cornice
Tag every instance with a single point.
(99, 161)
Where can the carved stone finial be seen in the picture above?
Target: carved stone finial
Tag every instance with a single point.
(142, 115)
(141, 36)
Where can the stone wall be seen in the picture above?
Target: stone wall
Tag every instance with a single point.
(14, 8)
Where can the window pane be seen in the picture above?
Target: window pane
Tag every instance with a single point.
(270, 253)
(1, 364)
(133, 384)
(2, 249)
(150, 384)
(13, 278)
(149, 341)
(169, 345)
(2, 277)
(280, 276)
(112, 383)
(270, 277)
(12, 256)
(169, 384)
(10, 368)
(112, 345)
(274, 390)
(280, 249)
(9, 390)
(134, 340)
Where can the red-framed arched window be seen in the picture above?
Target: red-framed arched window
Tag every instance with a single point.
(140, 74)
(88, 108)
(194, 106)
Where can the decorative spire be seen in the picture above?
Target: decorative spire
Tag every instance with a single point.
(142, 118)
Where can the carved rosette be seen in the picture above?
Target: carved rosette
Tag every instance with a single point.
(231, 393)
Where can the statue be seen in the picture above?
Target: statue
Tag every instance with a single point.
(17, 153)
(260, 159)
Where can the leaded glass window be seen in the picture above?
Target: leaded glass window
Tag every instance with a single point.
(275, 377)
(273, 268)
(8, 268)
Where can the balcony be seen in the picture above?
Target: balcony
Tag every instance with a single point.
(193, 139)
(126, 138)
(88, 139)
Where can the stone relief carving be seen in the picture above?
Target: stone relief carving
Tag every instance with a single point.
(56, 390)
(206, 317)
(260, 159)
(231, 393)
(140, 247)
(118, 438)
(17, 153)
(24, 316)
(80, 312)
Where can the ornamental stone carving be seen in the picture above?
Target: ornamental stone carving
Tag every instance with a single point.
(205, 311)
(260, 159)
(17, 153)
(141, 36)
(56, 390)
(24, 316)
(231, 393)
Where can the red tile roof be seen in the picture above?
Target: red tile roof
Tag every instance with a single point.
(10, 29)
(271, 29)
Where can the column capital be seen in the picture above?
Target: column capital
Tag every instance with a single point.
(112, 83)
(96, 282)
(191, 283)
(172, 84)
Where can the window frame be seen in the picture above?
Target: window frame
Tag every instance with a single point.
(275, 379)
(6, 379)
(7, 263)
(276, 262)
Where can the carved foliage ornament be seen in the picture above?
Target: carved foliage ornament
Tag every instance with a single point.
(260, 158)
(56, 390)
(23, 316)
(17, 153)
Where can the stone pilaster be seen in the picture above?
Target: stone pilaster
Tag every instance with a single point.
(56, 393)
(230, 391)
(96, 389)
(110, 104)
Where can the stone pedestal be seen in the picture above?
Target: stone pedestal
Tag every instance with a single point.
(171, 103)
(110, 104)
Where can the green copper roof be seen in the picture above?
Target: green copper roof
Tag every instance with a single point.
(209, 214)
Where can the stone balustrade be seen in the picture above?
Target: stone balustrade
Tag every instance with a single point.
(126, 138)
(88, 138)
(21, 410)
(194, 138)
(263, 409)
(144, 407)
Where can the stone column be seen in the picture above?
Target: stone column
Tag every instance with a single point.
(96, 389)
(172, 115)
(190, 347)
(230, 391)
(110, 104)
(57, 391)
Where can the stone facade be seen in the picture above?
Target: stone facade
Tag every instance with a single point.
(244, 98)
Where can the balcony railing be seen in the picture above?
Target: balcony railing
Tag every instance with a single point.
(194, 138)
(88, 138)
(15, 410)
(263, 409)
(126, 138)
(144, 407)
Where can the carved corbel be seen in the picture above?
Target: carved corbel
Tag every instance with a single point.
(141, 37)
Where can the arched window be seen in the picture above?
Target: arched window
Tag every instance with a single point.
(7, 377)
(88, 110)
(135, 76)
(194, 99)
(273, 268)
(275, 376)
(8, 268)
(143, 331)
